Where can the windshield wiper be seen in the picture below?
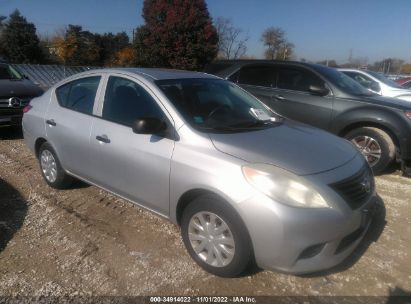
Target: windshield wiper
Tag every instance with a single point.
(254, 124)
(241, 126)
(366, 94)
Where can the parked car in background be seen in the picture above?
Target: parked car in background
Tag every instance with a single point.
(404, 82)
(378, 83)
(323, 97)
(15, 93)
(241, 181)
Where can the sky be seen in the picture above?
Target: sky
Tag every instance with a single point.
(319, 29)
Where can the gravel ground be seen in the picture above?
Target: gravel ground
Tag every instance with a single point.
(84, 241)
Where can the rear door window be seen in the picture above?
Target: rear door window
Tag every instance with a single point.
(258, 75)
(297, 79)
(79, 95)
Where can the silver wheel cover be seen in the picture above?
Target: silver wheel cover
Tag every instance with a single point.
(211, 239)
(48, 166)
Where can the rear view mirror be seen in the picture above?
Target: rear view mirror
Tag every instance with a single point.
(148, 125)
(317, 90)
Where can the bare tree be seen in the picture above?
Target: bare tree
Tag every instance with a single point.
(277, 45)
(232, 40)
(388, 66)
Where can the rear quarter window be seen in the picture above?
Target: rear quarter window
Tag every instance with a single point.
(79, 95)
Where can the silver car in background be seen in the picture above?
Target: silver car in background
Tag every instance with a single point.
(243, 183)
(378, 83)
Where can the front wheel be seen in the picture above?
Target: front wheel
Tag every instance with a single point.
(215, 237)
(376, 146)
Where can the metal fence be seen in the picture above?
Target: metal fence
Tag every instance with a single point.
(47, 75)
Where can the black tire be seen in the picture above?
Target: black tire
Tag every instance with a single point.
(243, 255)
(385, 142)
(406, 169)
(62, 180)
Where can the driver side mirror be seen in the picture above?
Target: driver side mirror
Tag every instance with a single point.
(317, 90)
(375, 87)
(148, 125)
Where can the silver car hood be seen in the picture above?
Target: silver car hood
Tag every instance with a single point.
(295, 147)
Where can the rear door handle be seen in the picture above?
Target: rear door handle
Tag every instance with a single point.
(279, 97)
(103, 138)
(51, 122)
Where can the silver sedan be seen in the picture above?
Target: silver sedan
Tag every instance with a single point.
(243, 183)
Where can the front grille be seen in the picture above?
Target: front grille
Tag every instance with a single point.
(20, 102)
(356, 189)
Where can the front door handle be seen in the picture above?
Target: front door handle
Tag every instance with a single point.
(103, 138)
(279, 97)
(51, 122)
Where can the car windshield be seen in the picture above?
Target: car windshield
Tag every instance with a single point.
(384, 79)
(214, 105)
(343, 82)
(7, 72)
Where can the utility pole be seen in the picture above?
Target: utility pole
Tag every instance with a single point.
(389, 65)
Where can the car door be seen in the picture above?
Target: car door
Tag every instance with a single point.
(68, 122)
(135, 166)
(293, 98)
(257, 79)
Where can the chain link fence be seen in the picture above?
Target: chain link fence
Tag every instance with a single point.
(47, 75)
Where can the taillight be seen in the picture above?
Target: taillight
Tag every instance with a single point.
(27, 108)
(408, 114)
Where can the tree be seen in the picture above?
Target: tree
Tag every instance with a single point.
(277, 45)
(176, 34)
(231, 41)
(329, 62)
(77, 47)
(124, 57)
(19, 41)
(406, 68)
(109, 45)
(388, 66)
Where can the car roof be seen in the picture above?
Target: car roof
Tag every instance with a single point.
(224, 68)
(351, 70)
(261, 61)
(157, 73)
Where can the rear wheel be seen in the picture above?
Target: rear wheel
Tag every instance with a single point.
(51, 168)
(376, 146)
(215, 237)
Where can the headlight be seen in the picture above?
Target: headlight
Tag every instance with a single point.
(283, 186)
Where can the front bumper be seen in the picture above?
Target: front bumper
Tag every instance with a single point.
(300, 240)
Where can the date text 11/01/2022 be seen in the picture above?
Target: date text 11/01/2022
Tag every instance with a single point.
(203, 299)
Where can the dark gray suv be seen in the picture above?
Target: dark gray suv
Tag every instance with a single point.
(380, 127)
